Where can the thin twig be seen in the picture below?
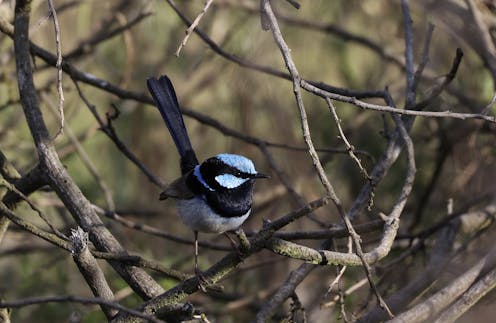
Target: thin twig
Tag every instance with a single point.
(12, 188)
(376, 107)
(109, 130)
(438, 89)
(138, 261)
(330, 233)
(89, 45)
(485, 37)
(192, 27)
(60, 91)
(488, 107)
(351, 149)
(353, 288)
(410, 73)
(289, 188)
(340, 271)
(76, 299)
(50, 237)
(107, 192)
(425, 56)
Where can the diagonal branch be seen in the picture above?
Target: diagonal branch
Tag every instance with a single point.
(76, 299)
(89, 268)
(443, 298)
(53, 170)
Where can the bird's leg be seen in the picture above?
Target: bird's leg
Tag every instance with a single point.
(201, 279)
(196, 252)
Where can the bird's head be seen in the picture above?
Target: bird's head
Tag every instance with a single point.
(226, 172)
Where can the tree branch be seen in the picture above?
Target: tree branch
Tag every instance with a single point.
(54, 171)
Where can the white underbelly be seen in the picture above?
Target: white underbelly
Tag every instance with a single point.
(198, 216)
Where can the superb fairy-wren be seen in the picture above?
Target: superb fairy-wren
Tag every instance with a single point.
(214, 196)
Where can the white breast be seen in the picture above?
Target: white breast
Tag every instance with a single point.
(198, 216)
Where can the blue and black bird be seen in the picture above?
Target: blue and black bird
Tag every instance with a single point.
(214, 196)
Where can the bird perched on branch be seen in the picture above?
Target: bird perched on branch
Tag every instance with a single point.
(214, 196)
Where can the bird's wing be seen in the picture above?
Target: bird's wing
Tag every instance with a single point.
(178, 190)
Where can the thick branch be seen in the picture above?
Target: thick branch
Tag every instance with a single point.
(91, 271)
(54, 171)
(440, 300)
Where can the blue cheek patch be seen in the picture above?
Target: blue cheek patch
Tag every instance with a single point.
(229, 181)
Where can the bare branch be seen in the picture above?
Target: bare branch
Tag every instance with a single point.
(351, 149)
(55, 172)
(107, 193)
(58, 65)
(376, 107)
(440, 300)
(410, 74)
(192, 27)
(437, 263)
(12, 188)
(91, 271)
(76, 299)
(478, 290)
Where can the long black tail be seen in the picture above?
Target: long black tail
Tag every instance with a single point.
(165, 98)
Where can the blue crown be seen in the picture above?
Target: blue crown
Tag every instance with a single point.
(241, 163)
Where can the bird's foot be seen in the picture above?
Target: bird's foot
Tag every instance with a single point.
(202, 281)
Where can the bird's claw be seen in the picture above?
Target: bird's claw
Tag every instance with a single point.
(202, 281)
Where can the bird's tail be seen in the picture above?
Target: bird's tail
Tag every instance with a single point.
(165, 98)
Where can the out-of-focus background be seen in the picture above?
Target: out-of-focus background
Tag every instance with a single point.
(357, 45)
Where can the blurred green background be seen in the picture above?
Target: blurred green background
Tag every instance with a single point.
(251, 102)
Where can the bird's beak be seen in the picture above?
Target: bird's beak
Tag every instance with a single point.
(260, 175)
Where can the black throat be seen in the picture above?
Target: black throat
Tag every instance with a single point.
(227, 203)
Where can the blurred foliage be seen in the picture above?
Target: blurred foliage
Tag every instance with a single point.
(250, 102)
